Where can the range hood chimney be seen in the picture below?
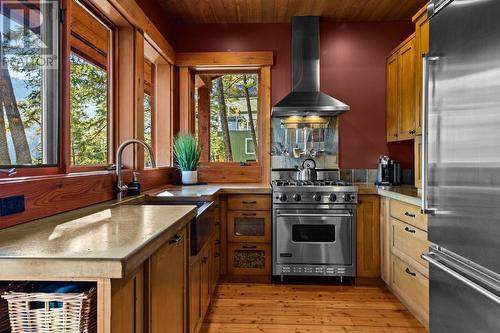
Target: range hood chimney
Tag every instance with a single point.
(306, 99)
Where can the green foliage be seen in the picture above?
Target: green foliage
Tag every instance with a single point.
(233, 91)
(89, 113)
(187, 152)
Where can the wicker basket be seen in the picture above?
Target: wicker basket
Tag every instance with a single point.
(52, 312)
(4, 307)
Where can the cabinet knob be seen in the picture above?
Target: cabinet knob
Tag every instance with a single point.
(174, 240)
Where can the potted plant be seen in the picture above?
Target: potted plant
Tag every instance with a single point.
(187, 154)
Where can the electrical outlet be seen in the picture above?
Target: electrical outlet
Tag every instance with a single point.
(12, 205)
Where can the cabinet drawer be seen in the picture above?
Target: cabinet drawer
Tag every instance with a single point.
(249, 226)
(409, 214)
(409, 242)
(249, 202)
(249, 259)
(411, 287)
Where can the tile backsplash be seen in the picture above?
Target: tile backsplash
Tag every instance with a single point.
(370, 176)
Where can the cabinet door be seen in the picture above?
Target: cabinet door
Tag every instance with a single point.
(249, 259)
(215, 266)
(421, 47)
(368, 237)
(249, 226)
(205, 278)
(194, 294)
(412, 288)
(167, 279)
(406, 55)
(418, 161)
(392, 97)
(385, 240)
(127, 304)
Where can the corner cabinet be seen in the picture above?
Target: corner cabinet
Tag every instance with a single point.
(401, 92)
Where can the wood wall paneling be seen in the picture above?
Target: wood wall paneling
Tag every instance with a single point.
(49, 195)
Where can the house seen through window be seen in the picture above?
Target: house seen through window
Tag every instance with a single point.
(226, 110)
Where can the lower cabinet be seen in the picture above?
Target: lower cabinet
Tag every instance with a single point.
(128, 304)
(368, 239)
(167, 278)
(249, 259)
(411, 287)
(154, 299)
(403, 240)
(204, 271)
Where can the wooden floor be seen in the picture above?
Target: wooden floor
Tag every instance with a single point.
(263, 308)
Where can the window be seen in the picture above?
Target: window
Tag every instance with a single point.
(89, 88)
(226, 110)
(148, 108)
(29, 85)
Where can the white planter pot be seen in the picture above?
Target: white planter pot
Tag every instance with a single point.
(189, 177)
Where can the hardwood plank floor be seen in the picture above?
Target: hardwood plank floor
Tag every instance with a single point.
(273, 308)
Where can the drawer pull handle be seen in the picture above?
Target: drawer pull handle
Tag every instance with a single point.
(411, 231)
(217, 255)
(204, 260)
(249, 246)
(217, 242)
(174, 240)
(407, 270)
(410, 215)
(250, 202)
(249, 214)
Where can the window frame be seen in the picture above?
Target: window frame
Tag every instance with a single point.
(110, 69)
(228, 71)
(190, 62)
(151, 92)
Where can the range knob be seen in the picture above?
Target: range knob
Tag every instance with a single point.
(346, 197)
(317, 197)
(297, 197)
(332, 197)
(282, 197)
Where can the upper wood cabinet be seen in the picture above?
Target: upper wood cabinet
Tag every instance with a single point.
(406, 55)
(392, 97)
(401, 92)
(421, 47)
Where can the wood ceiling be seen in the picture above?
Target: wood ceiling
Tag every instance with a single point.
(275, 11)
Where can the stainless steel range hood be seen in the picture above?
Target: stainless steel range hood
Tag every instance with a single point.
(306, 99)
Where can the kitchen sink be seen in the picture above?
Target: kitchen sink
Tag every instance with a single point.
(201, 227)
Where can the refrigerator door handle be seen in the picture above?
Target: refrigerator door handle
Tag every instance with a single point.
(429, 257)
(425, 125)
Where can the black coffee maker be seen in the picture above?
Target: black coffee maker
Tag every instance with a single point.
(389, 172)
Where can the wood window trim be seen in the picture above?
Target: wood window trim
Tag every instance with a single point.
(255, 172)
(98, 56)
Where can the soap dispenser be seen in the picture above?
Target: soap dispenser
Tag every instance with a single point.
(134, 188)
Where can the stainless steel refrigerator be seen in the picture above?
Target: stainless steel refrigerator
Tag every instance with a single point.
(461, 165)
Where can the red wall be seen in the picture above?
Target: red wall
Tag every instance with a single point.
(352, 69)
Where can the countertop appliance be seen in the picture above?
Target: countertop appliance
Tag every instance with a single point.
(306, 99)
(461, 165)
(314, 229)
(383, 173)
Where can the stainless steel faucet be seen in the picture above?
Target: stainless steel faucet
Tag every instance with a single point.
(9, 172)
(119, 182)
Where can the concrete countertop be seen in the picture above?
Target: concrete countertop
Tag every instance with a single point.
(405, 193)
(109, 243)
(206, 192)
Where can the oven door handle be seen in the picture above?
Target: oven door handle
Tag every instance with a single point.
(313, 215)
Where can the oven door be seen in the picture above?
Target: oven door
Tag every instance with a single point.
(314, 237)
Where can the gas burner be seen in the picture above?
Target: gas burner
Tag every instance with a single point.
(284, 182)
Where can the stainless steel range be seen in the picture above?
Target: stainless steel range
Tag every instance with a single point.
(314, 228)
